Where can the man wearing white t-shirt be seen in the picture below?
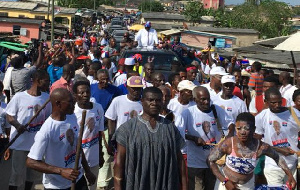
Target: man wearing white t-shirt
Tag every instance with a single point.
(129, 64)
(146, 37)
(232, 105)
(214, 87)
(125, 107)
(94, 124)
(279, 130)
(54, 150)
(286, 89)
(185, 98)
(198, 126)
(19, 111)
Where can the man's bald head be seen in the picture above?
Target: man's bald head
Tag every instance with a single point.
(62, 102)
(202, 98)
(68, 68)
(199, 89)
(285, 74)
(59, 94)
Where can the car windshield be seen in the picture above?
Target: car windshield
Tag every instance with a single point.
(162, 61)
(116, 23)
(119, 34)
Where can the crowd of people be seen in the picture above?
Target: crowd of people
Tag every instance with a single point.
(213, 123)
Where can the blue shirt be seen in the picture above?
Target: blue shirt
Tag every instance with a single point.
(54, 73)
(123, 89)
(104, 96)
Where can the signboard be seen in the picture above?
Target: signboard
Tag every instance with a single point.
(23, 32)
(220, 43)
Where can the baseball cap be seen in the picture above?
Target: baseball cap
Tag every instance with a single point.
(148, 24)
(137, 56)
(218, 71)
(129, 61)
(135, 81)
(228, 78)
(186, 84)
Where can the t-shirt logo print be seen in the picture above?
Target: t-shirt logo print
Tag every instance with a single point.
(91, 137)
(279, 138)
(35, 126)
(70, 158)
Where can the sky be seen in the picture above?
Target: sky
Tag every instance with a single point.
(291, 2)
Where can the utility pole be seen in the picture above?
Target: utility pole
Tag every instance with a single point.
(94, 5)
(52, 23)
(48, 9)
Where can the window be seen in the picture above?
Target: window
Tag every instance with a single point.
(21, 16)
(16, 29)
(2, 14)
(40, 17)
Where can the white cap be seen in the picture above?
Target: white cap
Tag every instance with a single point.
(228, 78)
(186, 84)
(218, 71)
(129, 61)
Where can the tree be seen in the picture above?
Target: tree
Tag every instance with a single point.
(193, 11)
(152, 6)
(270, 18)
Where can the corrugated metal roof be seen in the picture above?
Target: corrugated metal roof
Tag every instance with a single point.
(224, 30)
(279, 58)
(272, 42)
(62, 10)
(170, 32)
(164, 16)
(210, 34)
(21, 20)
(18, 5)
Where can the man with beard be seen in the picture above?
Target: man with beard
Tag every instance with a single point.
(148, 147)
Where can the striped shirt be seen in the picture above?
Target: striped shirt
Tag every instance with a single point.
(256, 82)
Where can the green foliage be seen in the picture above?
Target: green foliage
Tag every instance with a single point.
(83, 4)
(270, 18)
(296, 10)
(194, 10)
(152, 6)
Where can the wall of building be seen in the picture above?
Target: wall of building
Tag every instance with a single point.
(32, 30)
(212, 3)
(12, 13)
(243, 40)
(194, 40)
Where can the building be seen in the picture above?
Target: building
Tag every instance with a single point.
(199, 39)
(24, 27)
(244, 37)
(213, 4)
(162, 18)
(37, 11)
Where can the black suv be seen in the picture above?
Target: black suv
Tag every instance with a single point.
(162, 58)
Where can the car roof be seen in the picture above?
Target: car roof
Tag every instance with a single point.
(158, 51)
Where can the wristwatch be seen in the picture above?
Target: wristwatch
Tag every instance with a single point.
(225, 181)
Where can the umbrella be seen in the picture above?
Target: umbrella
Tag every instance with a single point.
(291, 44)
(136, 27)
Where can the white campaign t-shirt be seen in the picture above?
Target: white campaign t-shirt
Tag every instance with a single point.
(121, 79)
(56, 144)
(176, 107)
(233, 107)
(287, 93)
(266, 122)
(195, 122)
(212, 92)
(122, 109)
(23, 106)
(94, 123)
